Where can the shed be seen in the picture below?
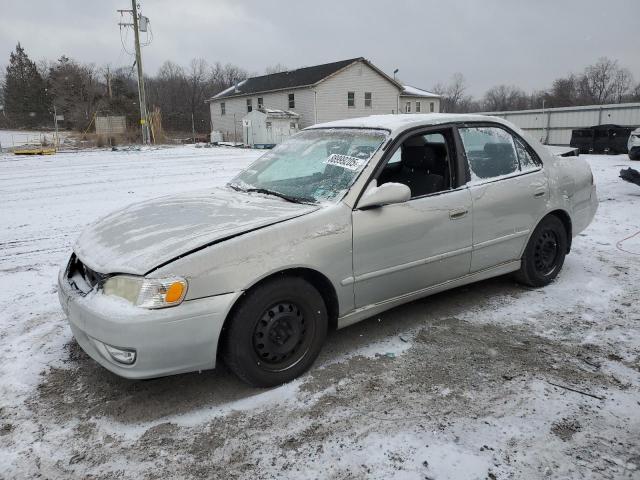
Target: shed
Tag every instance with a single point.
(266, 127)
(111, 125)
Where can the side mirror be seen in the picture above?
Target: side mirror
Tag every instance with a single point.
(385, 194)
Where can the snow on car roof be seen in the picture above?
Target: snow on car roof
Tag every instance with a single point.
(402, 121)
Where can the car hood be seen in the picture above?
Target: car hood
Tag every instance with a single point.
(145, 235)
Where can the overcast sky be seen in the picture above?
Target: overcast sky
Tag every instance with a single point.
(524, 43)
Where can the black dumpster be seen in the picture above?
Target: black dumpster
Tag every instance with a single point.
(609, 139)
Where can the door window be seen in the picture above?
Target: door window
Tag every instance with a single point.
(526, 157)
(491, 152)
(422, 162)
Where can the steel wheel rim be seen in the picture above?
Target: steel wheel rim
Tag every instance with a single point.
(546, 252)
(281, 336)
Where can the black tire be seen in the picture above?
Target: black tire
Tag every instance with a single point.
(544, 256)
(276, 332)
(634, 155)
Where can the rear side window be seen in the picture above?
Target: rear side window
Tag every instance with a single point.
(493, 152)
(527, 161)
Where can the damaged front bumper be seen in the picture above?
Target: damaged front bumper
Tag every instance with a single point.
(134, 342)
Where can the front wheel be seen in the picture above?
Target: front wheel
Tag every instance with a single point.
(276, 332)
(544, 256)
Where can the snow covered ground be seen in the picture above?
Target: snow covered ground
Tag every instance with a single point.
(465, 384)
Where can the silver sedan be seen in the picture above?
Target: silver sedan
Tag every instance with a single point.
(339, 223)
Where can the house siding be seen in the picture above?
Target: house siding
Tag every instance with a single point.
(236, 108)
(358, 78)
(424, 104)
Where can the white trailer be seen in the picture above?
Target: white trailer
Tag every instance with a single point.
(267, 127)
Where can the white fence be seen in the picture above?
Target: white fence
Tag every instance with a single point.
(553, 126)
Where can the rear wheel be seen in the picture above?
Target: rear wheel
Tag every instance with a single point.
(544, 256)
(276, 332)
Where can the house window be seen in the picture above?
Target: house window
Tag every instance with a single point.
(367, 99)
(249, 105)
(407, 107)
(431, 106)
(292, 101)
(292, 125)
(417, 107)
(223, 110)
(260, 103)
(268, 125)
(351, 99)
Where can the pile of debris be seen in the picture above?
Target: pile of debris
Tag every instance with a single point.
(630, 175)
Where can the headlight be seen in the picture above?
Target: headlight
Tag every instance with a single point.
(147, 292)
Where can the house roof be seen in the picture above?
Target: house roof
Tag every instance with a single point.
(302, 77)
(409, 91)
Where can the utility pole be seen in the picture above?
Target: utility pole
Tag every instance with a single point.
(109, 90)
(141, 95)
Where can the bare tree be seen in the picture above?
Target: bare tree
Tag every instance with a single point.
(622, 82)
(634, 96)
(505, 97)
(453, 94)
(564, 92)
(76, 90)
(168, 90)
(277, 68)
(222, 77)
(599, 80)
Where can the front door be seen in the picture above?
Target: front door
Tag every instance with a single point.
(509, 191)
(402, 248)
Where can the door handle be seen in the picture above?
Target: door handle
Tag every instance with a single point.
(456, 214)
(540, 194)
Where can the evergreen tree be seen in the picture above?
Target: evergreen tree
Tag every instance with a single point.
(26, 101)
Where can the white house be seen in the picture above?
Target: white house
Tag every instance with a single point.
(321, 93)
(416, 100)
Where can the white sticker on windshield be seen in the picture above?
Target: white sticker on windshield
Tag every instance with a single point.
(345, 161)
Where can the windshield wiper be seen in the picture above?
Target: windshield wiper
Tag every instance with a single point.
(288, 198)
(236, 187)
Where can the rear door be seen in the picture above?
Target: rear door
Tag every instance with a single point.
(509, 192)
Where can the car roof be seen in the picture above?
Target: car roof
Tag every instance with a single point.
(396, 123)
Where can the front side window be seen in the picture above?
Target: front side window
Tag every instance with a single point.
(292, 100)
(491, 152)
(368, 100)
(351, 99)
(423, 163)
(223, 109)
(313, 166)
(249, 105)
(417, 107)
